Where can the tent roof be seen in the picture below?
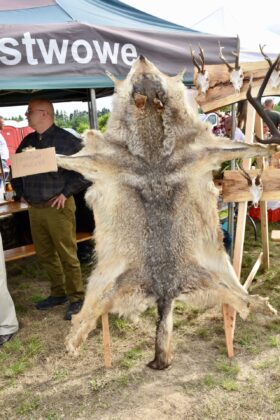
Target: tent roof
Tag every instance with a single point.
(59, 48)
(221, 21)
(94, 12)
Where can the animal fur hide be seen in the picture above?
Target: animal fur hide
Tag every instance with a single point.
(157, 235)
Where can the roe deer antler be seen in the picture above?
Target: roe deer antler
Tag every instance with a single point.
(236, 72)
(275, 75)
(256, 103)
(254, 183)
(202, 78)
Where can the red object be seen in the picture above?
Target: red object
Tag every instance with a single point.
(273, 215)
(13, 136)
(25, 131)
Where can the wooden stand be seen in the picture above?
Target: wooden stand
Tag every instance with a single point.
(221, 93)
(271, 192)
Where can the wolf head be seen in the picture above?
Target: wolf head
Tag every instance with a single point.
(150, 109)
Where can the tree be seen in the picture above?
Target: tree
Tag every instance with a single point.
(102, 121)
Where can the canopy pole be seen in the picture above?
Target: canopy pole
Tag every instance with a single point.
(92, 110)
(232, 167)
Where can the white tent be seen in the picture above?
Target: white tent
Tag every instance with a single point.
(221, 21)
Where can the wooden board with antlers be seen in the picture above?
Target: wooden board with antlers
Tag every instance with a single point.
(235, 187)
(221, 91)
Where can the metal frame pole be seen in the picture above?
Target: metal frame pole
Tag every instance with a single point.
(232, 167)
(92, 110)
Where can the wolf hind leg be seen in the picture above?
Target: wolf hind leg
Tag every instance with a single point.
(211, 287)
(244, 303)
(163, 336)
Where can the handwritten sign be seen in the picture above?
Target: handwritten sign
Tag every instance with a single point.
(33, 162)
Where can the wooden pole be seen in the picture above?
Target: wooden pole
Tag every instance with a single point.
(230, 313)
(106, 341)
(263, 204)
(253, 272)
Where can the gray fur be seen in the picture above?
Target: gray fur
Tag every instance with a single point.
(157, 230)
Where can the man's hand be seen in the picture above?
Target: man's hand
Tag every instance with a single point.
(58, 201)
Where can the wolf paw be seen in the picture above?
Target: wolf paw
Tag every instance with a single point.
(261, 304)
(70, 347)
(158, 364)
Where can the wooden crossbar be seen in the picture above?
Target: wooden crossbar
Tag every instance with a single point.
(28, 250)
(275, 235)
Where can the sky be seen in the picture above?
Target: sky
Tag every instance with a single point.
(246, 12)
(243, 17)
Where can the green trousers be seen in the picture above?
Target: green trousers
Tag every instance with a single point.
(54, 236)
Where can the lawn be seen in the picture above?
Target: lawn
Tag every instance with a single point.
(38, 380)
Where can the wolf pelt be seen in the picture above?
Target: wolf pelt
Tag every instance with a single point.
(157, 235)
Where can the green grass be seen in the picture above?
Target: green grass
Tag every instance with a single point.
(203, 333)
(120, 325)
(16, 368)
(27, 407)
(274, 341)
(210, 381)
(17, 356)
(131, 358)
(51, 415)
(97, 385)
(229, 384)
(36, 298)
(60, 374)
(272, 363)
(228, 367)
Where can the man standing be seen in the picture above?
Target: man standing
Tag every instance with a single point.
(4, 153)
(8, 319)
(52, 209)
(238, 135)
(268, 106)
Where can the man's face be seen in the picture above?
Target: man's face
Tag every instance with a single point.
(228, 125)
(34, 114)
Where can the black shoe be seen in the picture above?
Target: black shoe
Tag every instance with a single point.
(51, 301)
(5, 338)
(72, 309)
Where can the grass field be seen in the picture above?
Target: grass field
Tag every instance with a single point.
(38, 380)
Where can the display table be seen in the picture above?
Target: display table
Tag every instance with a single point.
(12, 207)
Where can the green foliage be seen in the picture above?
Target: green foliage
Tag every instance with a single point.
(79, 120)
(102, 121)
(75, 120)
(18, 118)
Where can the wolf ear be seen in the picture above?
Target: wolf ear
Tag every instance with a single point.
(179, 76)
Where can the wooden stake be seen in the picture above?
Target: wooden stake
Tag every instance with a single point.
(229, 325)
(253, 272)
(230, 313)
(106, 341)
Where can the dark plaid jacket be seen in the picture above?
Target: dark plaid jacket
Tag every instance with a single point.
(42, 187)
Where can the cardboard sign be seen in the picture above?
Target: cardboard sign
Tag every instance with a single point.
(34, 161)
